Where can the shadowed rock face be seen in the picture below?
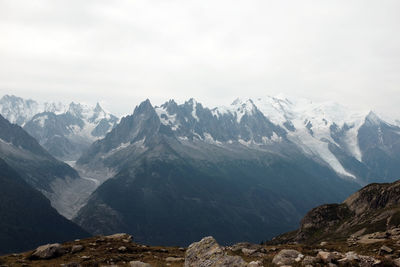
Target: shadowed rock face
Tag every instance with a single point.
(207, 252)
(24, 154)
(27, 218)
(374, 197)
(374, 208)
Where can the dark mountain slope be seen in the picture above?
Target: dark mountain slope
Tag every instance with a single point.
(23, 153)
(380, 146)
(27, 218)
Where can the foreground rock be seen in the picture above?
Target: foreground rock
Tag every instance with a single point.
(287, 257)
(208, 253)
(116, 251)
(48, 251)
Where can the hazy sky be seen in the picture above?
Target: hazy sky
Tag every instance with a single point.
(122, 52)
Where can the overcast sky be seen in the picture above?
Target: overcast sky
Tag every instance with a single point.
(122, 52)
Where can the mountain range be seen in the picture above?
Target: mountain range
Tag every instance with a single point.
(65, 131)
(174, 173)
(233, 172)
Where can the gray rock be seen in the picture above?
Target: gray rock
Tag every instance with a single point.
(48, 251)
(247, 251)
(367, 261)
(122, 249)
(352, 256)
(76, 248)
(385, 250)
(139, 264)
(208, 253)
(286, 257)
(121, 236)
(309, 260)
(230, 261)
(329, 256)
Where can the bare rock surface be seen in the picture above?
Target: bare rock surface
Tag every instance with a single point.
(208, 253)
(48, 251)
(287, 257)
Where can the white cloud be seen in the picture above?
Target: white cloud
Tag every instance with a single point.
(125, 51)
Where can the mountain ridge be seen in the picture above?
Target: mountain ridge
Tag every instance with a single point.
(157, 162)
(63, 130)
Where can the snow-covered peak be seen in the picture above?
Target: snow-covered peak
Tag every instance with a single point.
(55, 107)
(86, 112)
(372, 118)
(277, 109)
(243, 107)
(238, 109)
(18, 110)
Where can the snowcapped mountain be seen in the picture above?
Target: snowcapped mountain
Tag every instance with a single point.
(186, 163)
(19, 111)
(63, 130)
(326, 132)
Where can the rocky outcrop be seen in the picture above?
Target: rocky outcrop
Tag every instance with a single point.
(208, 253)
(106, 251)
(48, 251)
(369, 215)
(287, 257)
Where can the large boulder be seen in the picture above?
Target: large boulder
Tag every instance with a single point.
(208, 253)
(287, 257)
(48, 251)
(122, 236)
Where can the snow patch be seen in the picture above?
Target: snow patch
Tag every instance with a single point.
(245, 143)
(41, 120)
(209, 139)
(194, 113)
(167, 119)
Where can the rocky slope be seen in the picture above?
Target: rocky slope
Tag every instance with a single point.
(371, 215)
(120, 250)
(22, 152)
(58, 181)
(27, 218)
(325, 238)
